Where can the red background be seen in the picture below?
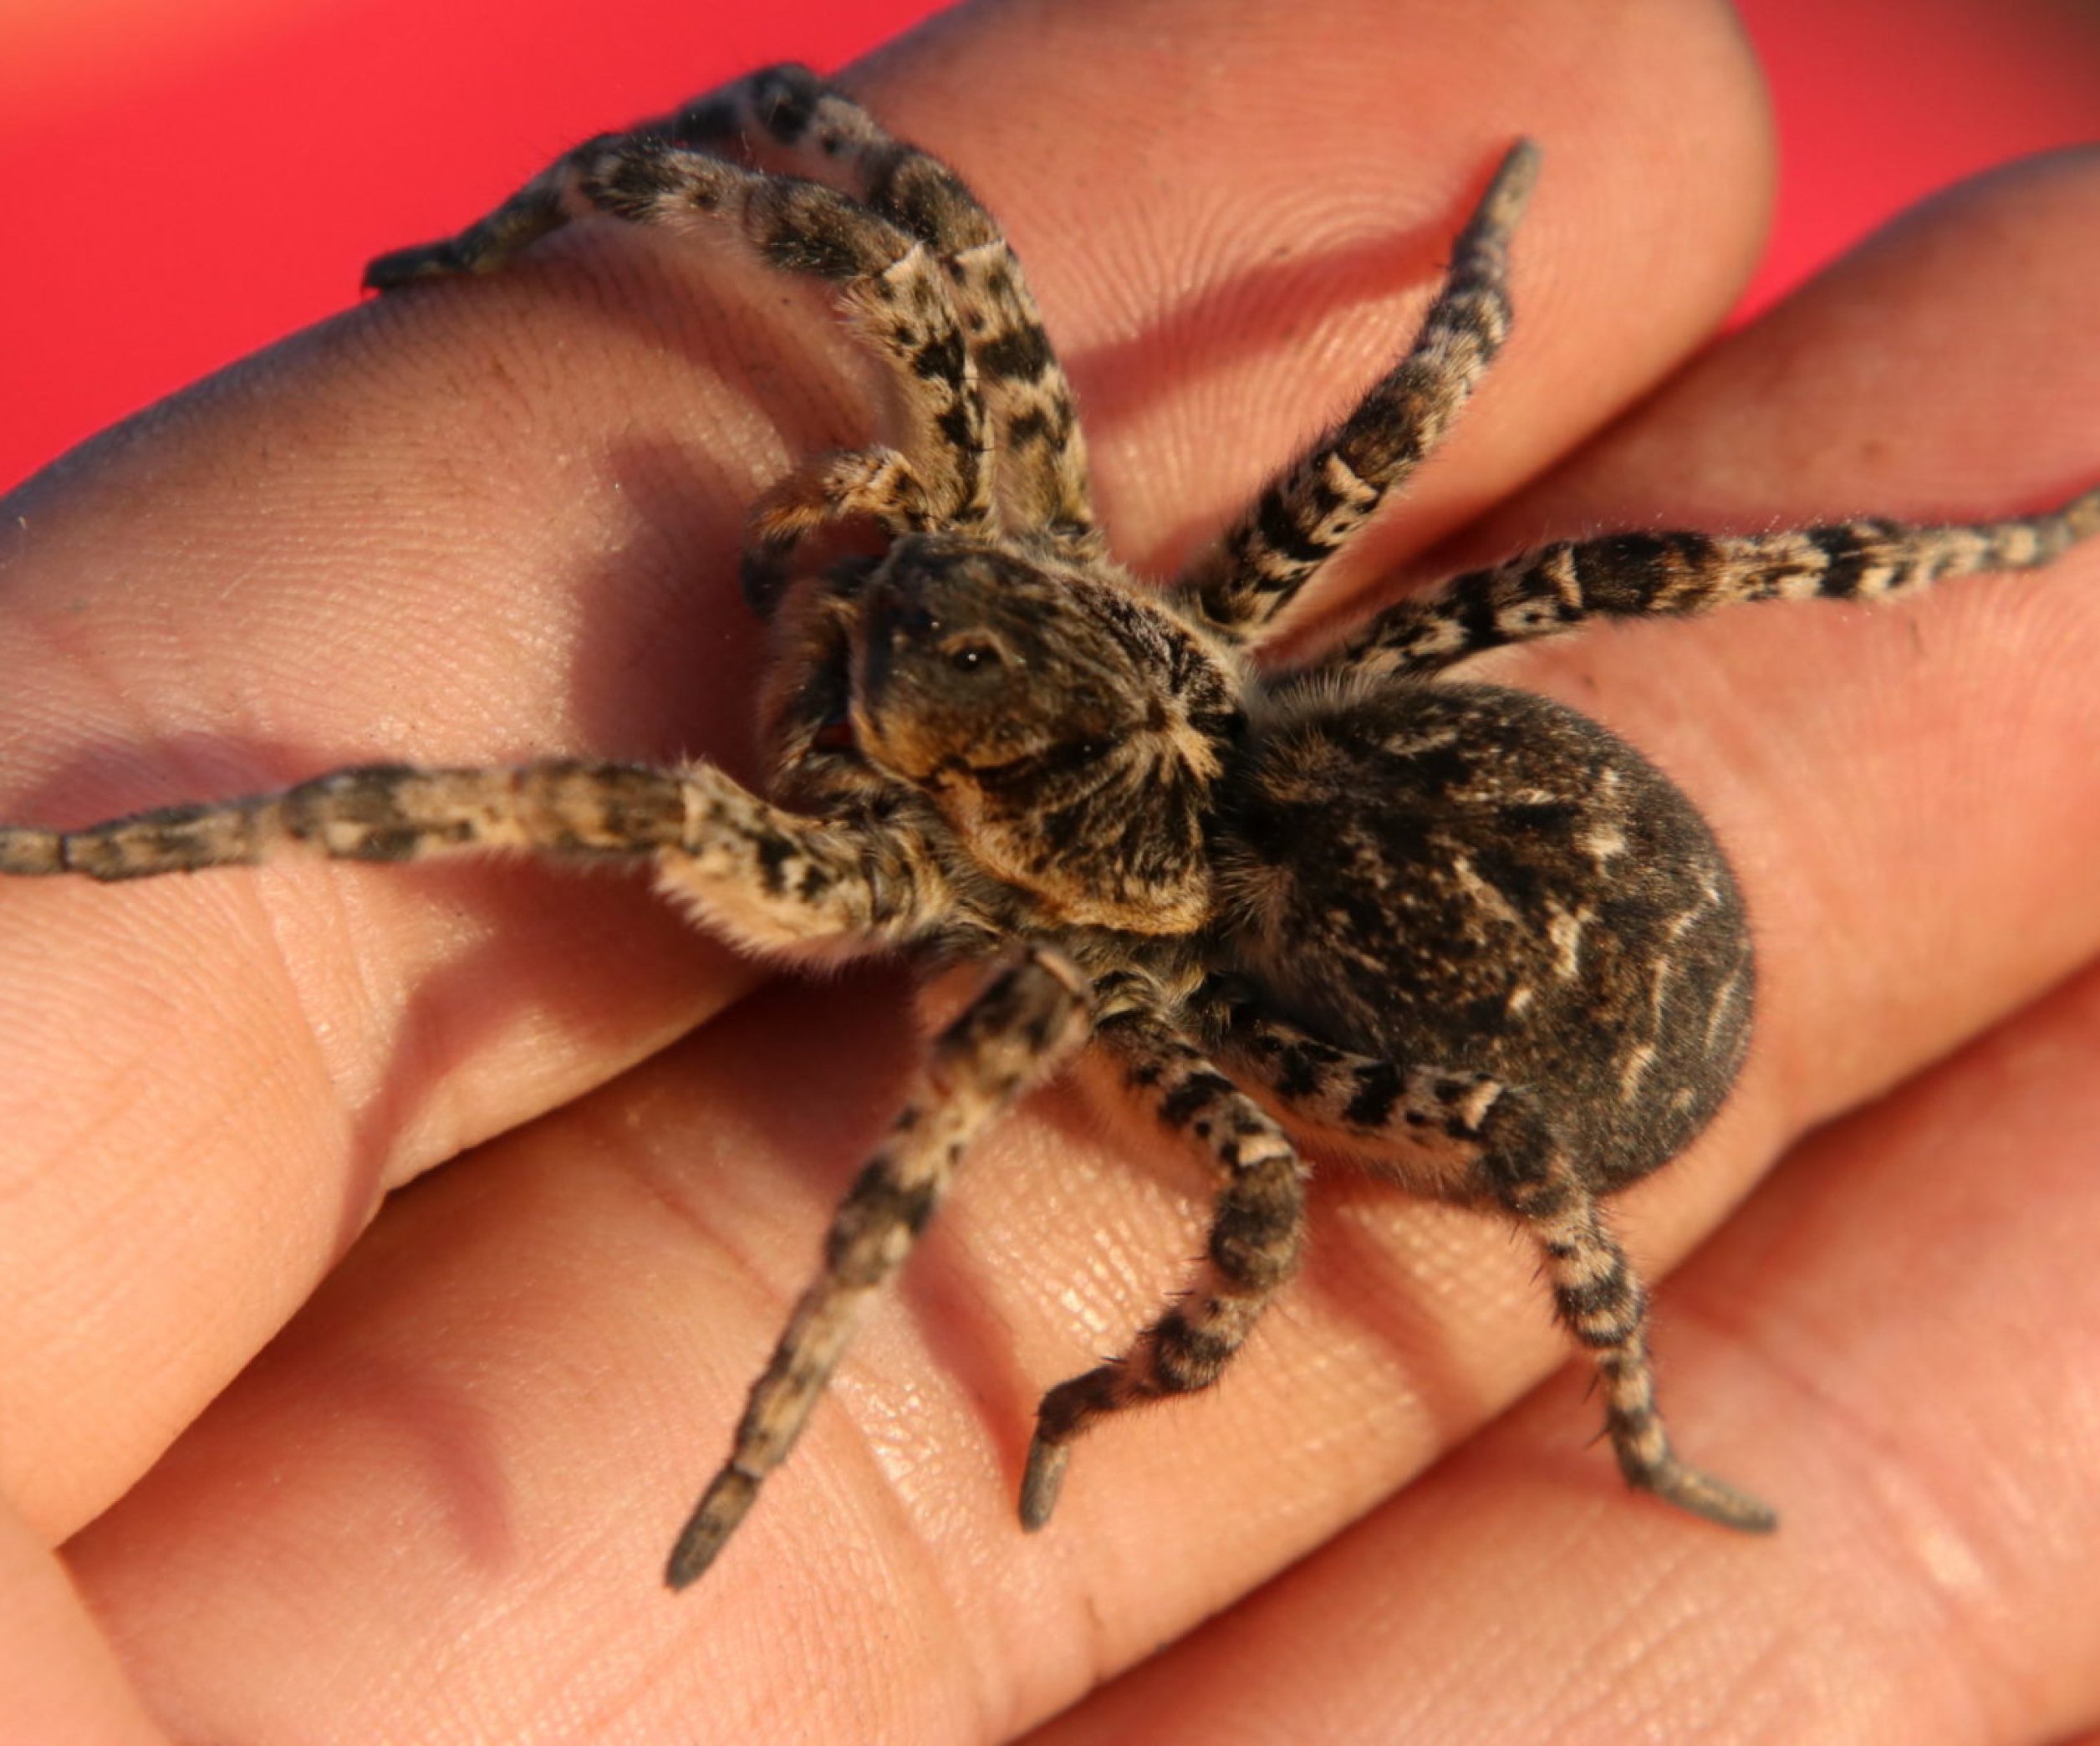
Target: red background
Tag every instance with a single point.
(189, 179)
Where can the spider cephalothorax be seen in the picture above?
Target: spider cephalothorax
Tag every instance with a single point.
(1066, 730)
(1461, 931)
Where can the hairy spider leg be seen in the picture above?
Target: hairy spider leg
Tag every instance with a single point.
(767, 879)
(1256, 1240)
(877, 483)
(1467, 1137)
(1015, 1034)
(891, 287)
(377, 813)
(1311, 510)
(1559, 587)
(544, 204)
(1042, 478)
(1602, 1302)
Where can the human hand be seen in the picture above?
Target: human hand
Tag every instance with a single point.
(496, 520)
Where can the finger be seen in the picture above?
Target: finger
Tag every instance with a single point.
(59, 1679)
(314, 549)
(1903, 1324)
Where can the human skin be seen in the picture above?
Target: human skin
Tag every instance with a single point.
(324, 1466)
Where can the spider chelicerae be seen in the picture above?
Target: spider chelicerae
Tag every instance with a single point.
(1458, 931)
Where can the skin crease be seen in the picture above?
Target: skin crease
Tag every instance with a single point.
(490, 521)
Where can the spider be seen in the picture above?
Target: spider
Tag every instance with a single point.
(1458, 931)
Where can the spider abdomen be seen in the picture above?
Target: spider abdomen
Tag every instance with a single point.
(1482, 881)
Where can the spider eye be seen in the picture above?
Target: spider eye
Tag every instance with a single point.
(971, 655)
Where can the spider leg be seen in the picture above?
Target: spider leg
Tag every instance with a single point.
(1418, 1121)
(1011, 1036)
(890, 285)
(1042, 483)
(1257, 1235)
(544, 204)
(1600, 1301)
(1635, 576)
(877, 483)
(1467, 1136)
(766, 878)
(1309, 512)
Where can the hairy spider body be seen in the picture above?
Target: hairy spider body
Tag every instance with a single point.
(1461, 873)
(1462, 931)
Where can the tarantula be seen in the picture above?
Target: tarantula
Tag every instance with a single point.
(1458, 930)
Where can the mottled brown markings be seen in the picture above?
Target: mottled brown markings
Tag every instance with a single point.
(1561, 586)
(1377, 1089)
(1254, 1247)
(1033, 427)
(1464, 932)
(1311, 509)
(1019, 1029)
(1022, 353)
(888, 285)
